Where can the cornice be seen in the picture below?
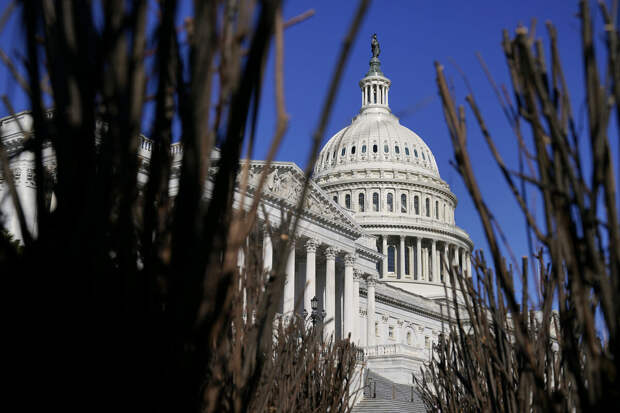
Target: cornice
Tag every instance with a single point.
(408, 306)
(462, 236)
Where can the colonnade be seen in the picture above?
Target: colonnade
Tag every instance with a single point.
(313, 249)
(421, 258)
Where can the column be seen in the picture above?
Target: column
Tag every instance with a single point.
(267, 252)
(401, 257)
(349, 309)
(444, 263)
(384, 251)
(462, 260)
(363, 96)
(433, 274)
(288, 302)
(356, 305)
(418, 258)
(457, 257)
(310, 290)
(330, 291)
(469, 264)
(370, 316)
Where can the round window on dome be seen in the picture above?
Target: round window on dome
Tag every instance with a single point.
(352, 150)
(396, 149)
(374, 148)
(363, 148)
(406, 151)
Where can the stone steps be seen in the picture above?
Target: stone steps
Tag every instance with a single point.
(385, 396)
(387, 406)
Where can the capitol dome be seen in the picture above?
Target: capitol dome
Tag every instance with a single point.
(386, 176)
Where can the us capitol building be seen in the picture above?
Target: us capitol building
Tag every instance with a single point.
(377, 231)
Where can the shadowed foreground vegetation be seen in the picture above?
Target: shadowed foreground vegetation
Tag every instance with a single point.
(558, 350)
(128, 298)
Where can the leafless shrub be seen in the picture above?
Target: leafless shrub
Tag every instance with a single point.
(510, 353)
(137, 295)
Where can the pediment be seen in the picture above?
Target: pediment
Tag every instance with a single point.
(284, 185)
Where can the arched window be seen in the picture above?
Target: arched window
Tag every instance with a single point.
(344, 150)
(416, 205)
(336, 198)
(391, 256)
(428, 207)
(347, 201)
(406, 151)
(374, 93)
(403, 203)
(396, 149)
(374, 148)
(363, 148)
(423, 157)
(377, 328)
(409, 339)
(361, 202)
(415, 152)
(375, 202)
(353, 150)
(444, 212)
(390, 202)
(327, 157)
(436, 209)
(386, 148)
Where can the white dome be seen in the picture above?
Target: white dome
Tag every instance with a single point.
(376, 139)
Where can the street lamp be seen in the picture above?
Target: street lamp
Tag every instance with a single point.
(315, 315)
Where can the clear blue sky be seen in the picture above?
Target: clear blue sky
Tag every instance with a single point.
(413, 34)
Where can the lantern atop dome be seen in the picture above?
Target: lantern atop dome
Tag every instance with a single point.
(375, 86)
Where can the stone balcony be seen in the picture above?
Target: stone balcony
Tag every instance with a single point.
(397, 362)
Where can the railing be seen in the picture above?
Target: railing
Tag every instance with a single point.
(392, 349)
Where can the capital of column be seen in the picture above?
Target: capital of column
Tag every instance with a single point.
(349, 260)
(371, 281)
(357, 275)
(330, 253)
(311, 245)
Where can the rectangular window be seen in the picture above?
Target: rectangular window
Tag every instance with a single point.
(407, 271)
(391, 332)
(391, 258)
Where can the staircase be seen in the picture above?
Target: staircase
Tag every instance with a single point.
(381, 395)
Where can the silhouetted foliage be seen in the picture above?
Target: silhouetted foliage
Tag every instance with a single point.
(510, 353)
(131, 297)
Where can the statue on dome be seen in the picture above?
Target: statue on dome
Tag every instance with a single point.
(374, 46)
